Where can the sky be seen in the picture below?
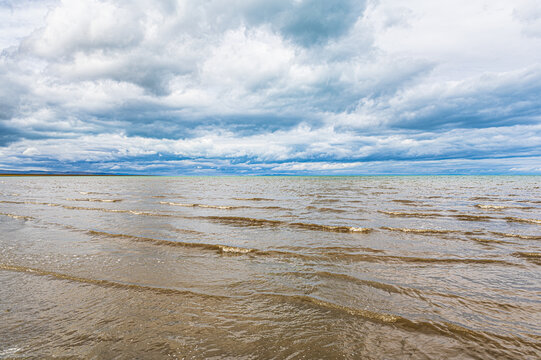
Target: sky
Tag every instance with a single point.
(255, 87)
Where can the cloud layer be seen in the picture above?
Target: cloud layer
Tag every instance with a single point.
(267, 87)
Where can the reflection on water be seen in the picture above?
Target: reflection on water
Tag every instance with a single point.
(270, 267)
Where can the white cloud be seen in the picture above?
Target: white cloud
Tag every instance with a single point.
(31, 151)
(528, 14)
(109, 80)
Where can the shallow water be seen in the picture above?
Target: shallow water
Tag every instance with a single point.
(270, 267)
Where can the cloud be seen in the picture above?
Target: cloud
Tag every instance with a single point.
(316, 21)
(261, 87)
(528, 13)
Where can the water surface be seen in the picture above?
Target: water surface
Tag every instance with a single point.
(270, 267)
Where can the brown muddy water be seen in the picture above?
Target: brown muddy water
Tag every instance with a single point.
(270, 267)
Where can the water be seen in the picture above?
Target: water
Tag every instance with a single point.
(270, 267)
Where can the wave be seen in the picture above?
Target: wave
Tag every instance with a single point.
(235, 249)
(120, 211)
(184, 231)
(491, 207)
(71, 207)
(91, 193)
(487, 198)
(327, 255)
(416, 260)
(253, 199)
(425, 326)
(410, 214)
(343, 249)
(502, 207)
(325, 209)
(420, 231)
(246, 221)
(408, 202)
(529, 201)
(268, 207)
(97, 200)
(424, 294)
(12, 202)
(230, 220)
(215, 247)
(520, 220)
(530, 256)
(221, 207)
(366, 314)
(102, 283)
(520, 236)
(490, 241)
(243, 221)
(220, 248)
(9, 194)
(19, 217)
(371, 283)
(330, 228)
(469, 217)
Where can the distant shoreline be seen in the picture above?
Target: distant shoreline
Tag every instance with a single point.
(69, 175)
(258, 175)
